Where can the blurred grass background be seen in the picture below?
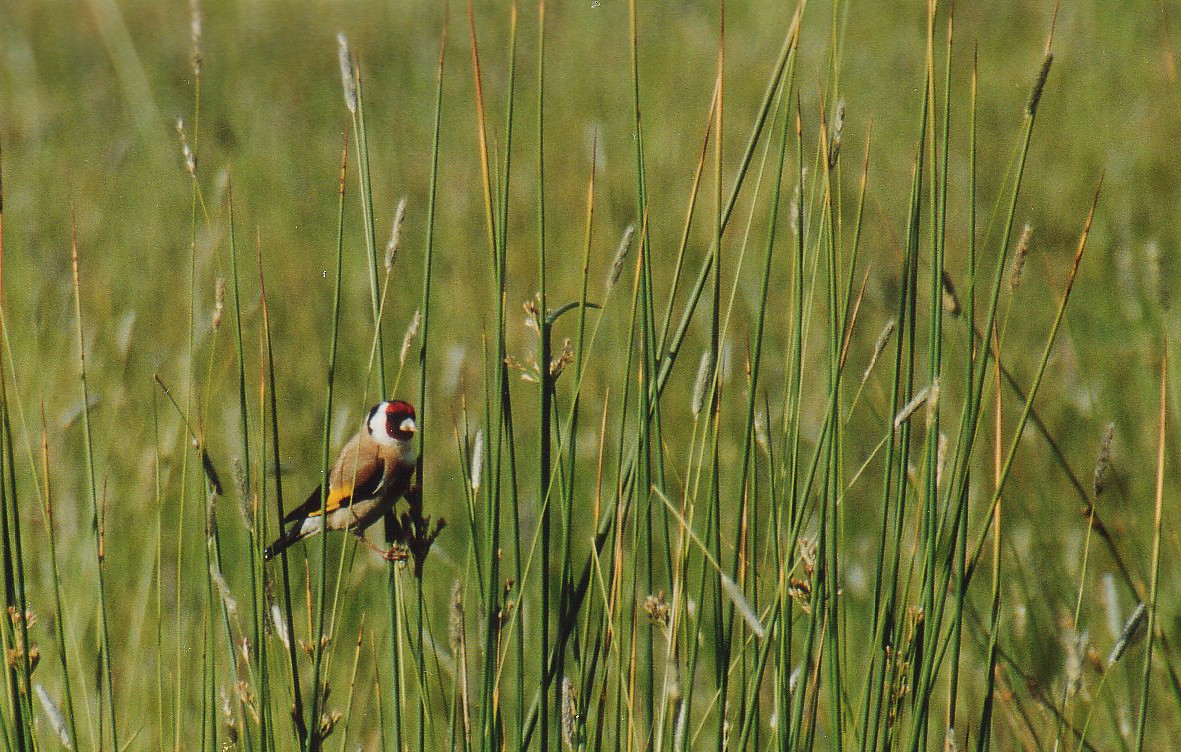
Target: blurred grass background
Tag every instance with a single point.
(90, 93)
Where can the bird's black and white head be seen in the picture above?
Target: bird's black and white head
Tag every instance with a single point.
(391, 423)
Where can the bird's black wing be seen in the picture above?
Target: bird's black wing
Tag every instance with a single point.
(337, 497)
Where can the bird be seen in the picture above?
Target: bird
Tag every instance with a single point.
(374, 470)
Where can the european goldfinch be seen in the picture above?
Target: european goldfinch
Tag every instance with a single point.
(372, 473)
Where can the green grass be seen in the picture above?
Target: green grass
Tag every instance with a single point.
(747, 479)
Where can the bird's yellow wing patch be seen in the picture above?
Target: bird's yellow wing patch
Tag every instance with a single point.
(337, 498)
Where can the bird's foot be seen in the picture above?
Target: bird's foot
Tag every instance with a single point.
(395, 552)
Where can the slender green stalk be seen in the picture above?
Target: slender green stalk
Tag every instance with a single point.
(936, 149)
(59, 616)
(19, 659)
(961, 538)
(104, 632)
(428, 259)
(1158, 509)
(357, 110)
(312, 741)
(254, 559)
(348, 711)
(545, 389)
(297, 714)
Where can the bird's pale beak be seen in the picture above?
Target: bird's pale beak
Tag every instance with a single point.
(408, 426)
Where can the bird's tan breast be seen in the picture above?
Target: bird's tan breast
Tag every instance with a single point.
(361, 462)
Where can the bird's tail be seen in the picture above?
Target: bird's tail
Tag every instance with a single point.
(281, 544)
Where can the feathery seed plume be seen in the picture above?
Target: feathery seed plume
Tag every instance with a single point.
(219, 301)
(621, 251)
(743, 606)
(701, 385)
(910, 408)
(280, 625)
(391, 248)
(57, 720)
(879, 345)
(477, 460)
(348, 79)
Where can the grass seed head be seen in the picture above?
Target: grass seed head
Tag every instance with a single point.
(800, 591)
(657, 608)
(701, 384)
(185, 150)
(910, 408)
(559, 362)
(455, 620)
(279, 624)
(391, 248)
(806, 550)
(195, 36)
(408, 338)
(1132, 633)
(328, 723)
(880, 345)
(932, 403)
(1039, 85)
(244, 498)
(681, 727)
(219, 301)
(227, 717)
(571, 719)
(838, 127)
(796, 212)
(742, 605)
(223, 590)
(1019, 256)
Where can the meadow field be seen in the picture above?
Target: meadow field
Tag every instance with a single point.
(789, 375)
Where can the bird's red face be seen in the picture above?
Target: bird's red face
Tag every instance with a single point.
(392, 421)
